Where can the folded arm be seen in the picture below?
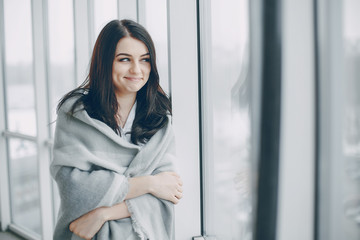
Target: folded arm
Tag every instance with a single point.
(165, 185)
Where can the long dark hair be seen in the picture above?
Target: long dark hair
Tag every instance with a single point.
(97, 91)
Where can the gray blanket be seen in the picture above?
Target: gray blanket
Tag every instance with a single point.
(91, 166)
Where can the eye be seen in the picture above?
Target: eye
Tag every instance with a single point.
(145, 59)
(124, 60)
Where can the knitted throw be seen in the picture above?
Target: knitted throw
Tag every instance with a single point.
(91, 166)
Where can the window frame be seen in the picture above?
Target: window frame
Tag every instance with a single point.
(83, 24)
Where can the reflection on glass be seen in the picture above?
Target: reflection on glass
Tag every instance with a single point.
(228, 173)
(61, 51)
(352, 76)
(24, 185)
(352, 209)
(155, 21)
(19, 67)
(351, 119)
(104, 11)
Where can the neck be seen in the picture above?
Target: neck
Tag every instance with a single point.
(125, 103)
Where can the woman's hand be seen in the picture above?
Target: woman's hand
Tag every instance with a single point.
(165, 185)
(168, 186)
(88, 224)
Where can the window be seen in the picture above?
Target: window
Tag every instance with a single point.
(21, 129)
(61, 51)
(24, 184)
(226, 121)
(154, 18)
(19, 75)
(339, 138)
(103, 13)
(351, 119)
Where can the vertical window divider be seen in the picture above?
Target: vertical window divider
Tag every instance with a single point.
(297, 140)
(204, 38)
(76, 64)
(317, 115)
(168, 37)
(5, 216)
(118, 9)
(91, 30)
(269, 149)
(331, 104)
(49, 93)
(141, 13)
(82, 43)
(41, 100)
(128, 9)
(202, 197)
(184, 94)
(255, 66)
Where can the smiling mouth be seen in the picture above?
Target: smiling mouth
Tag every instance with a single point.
(134, 78)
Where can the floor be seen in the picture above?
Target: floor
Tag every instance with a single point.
(9, 236)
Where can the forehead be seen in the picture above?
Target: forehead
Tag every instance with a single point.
(131, 46)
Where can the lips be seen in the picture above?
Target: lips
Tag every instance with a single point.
(134, 78)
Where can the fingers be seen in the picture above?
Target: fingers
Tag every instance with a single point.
(175, 200)
(180, 181)
(178, 178)
(175, 174)
(179, 195)
(169, 187)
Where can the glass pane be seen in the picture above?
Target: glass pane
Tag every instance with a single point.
(351, 133)
(352, 75)
(226, 145)
(104, 11)
(61, 51)
(24, 184)
(19, 78)
(155, 21)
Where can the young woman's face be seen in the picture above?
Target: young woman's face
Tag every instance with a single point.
(131, 66)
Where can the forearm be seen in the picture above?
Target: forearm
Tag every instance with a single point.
(118, 211)
(167, 185)
(139, 186)
(90, 223)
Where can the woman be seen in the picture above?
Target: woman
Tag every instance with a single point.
(114, 145)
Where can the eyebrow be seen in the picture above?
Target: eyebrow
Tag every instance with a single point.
(126, 54)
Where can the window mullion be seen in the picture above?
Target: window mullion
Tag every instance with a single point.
(42, 114)
(141, 14)
(82, 43)
(127, 9)
(5, 216)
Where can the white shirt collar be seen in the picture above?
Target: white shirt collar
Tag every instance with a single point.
(126, 130)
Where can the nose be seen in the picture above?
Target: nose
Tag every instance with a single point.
(135, 68)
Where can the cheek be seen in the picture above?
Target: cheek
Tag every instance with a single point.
(118, 69)
(147, 71)
(114, 71)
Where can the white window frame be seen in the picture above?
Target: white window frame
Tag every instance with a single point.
(297, 140)
(42, 116)
(4, 178)
(182, 21)
(128, 9)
